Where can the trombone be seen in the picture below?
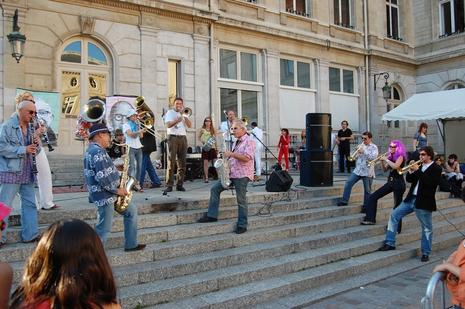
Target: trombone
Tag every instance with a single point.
(377, 159)
(147, 124)
(353, 156)
(406, 168)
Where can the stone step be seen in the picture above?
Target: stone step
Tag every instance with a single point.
(279, 288)
(342, 216)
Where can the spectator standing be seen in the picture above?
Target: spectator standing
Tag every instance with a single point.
(420, 140)
(283, 146)
(207, 136)
(257, 135)
(343, 139)
(116, 149)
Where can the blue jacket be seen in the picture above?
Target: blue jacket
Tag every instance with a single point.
(102, 178)
(12, 146)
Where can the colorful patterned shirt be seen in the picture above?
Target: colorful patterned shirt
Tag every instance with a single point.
(101, 176)
(238, 169)
(370, 152)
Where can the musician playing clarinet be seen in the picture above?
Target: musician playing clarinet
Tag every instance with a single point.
(18, 146)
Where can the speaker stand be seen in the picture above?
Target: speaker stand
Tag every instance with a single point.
(266, 159)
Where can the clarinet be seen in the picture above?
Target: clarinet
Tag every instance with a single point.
(45, 135)
(32, 132)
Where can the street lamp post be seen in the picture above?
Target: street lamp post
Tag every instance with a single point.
(386, 88)
(16, 39)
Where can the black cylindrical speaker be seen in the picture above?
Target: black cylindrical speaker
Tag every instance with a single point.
(318, 131)
(316, 168)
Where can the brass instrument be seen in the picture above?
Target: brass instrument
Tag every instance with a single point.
(93, 111)
(187, 112)
(245, 120)
(406, 168)
(149, 127)
(378, 159)
(354, 155)
(126, 181)
(222, 166)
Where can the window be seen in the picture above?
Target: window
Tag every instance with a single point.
(392, 19)
(84, 73)
(248, 107)
(451, 17)
(234, 64)
(298, 7)
(341, 82)
(342, 13)
(174, 80)
(455, 86)
(295, 73)
(392, 102)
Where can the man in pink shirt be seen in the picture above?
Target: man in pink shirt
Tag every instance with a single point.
(241, 163)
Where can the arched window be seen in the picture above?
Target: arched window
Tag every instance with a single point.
(392, 102)
(85, 71)
(455, 85)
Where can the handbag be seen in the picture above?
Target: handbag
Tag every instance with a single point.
(208, 144)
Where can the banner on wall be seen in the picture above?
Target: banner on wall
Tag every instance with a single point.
(48, 108)
(117, 108)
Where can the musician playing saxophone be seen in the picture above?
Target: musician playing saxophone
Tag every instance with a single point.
(241, 172)
(392, 162)
(102, 180)
(17, 147)
(367, 151)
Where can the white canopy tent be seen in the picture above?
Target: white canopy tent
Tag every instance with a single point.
(446, 106)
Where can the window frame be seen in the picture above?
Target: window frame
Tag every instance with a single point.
(341, 80)
(339, 13)
(295, 62)
(389, 22)
(453, 14)
(392, 103)
(238, 65)
(294, 11)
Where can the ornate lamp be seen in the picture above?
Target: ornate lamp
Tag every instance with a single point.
(386, 88)
(16, 39)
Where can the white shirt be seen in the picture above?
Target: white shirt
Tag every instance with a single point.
(227, 133)
(256, 136)
(369, 153)
(177, 129)
(423, 169)
(133, 142)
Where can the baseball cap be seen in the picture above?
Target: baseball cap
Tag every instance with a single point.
(97, 128)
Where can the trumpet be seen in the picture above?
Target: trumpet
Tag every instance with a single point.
(353, 156)
(245, 120)
(187, 112)
(406, 168)
(377, 159)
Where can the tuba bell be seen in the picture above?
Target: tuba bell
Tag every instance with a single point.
(93, 111)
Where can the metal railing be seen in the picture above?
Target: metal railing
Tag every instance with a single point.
(427, 302)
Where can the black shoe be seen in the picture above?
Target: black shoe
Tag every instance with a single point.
(424, 258)
(341, 204)
(240, 230)
(206, 219)
(366, 222)
(168, 189)
(35, 239)
(157, 185)
(180, 188)
(386, 247)
(136, 248)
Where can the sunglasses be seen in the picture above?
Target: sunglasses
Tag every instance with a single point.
(364, 138)
(235, 128)
(207, 121)
(32, 113)
(422, 154)
(392, 146)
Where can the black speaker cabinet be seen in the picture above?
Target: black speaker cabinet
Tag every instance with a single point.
(318, 131)
(316, 168)
(194, 169)
(279, 181)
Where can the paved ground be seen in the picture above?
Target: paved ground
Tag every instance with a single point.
(402, 291)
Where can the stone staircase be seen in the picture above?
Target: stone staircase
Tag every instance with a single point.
(293, 256)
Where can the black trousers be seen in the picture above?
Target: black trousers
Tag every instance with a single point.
(397, 186)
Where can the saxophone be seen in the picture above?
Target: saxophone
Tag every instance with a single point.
(222, 166)
(126, 181)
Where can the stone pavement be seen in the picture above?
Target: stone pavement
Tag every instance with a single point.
(404, 290)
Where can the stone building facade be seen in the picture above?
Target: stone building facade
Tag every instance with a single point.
(272, 61)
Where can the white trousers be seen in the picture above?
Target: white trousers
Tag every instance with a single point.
(258, 160)
(44, 181)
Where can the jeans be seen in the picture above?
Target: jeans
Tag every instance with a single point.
(148, 166)
(397, 186)
(353, 178)
(240, 184)
(29, 221)
(135, 163)
(425, 218)
(104, 221)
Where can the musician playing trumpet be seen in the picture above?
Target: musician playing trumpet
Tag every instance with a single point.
(366, 151)
(392, 161)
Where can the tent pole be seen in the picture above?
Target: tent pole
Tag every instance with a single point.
(442, 135)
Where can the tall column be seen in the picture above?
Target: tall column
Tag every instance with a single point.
(272, 108)
(148, 86)
(322, 86)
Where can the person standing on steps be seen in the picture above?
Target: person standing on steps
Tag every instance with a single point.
(343, 139)
(240, 173)
(420, 199)
(366, 151)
